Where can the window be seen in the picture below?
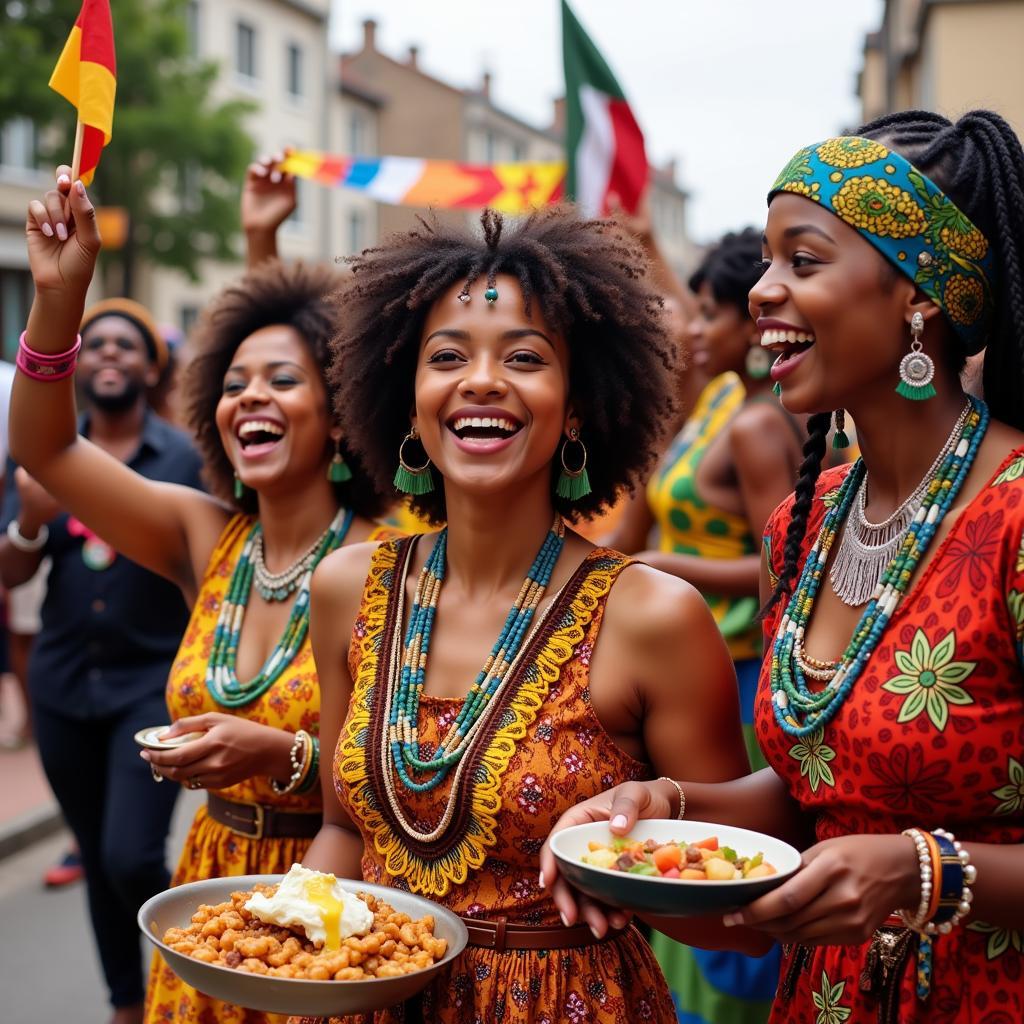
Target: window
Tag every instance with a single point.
(355, 231)
(518, 152)
(187, 317)
(192, 27)
(293, 61)
(15, 299)
(245, 49)
(190, 187)
(18, 144)
(356, 134)
(296, 219)
(490, 146)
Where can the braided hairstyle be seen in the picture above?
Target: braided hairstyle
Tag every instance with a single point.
(979, 163)
(586, 276)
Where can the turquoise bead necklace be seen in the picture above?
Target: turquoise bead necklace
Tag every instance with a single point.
(800, 711)
(403, 716)
(221, 680)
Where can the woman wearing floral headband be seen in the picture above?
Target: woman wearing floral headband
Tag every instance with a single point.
(891, 707)
(521, 381)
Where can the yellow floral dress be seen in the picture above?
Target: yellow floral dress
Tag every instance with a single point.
(212, 850)
(543, 751)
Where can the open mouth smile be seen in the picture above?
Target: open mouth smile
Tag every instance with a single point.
(791, 344)
(483, 431)
(258, 437)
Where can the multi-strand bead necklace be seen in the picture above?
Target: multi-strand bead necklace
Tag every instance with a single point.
(221, 680)
(798, 710)
(404, 699)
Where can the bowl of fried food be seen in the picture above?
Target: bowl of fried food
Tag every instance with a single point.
(305, 944)
(673, 868)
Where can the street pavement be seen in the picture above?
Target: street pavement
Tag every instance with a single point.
(49, 971)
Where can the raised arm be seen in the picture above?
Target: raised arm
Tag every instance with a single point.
(268, 200)
(168, 529)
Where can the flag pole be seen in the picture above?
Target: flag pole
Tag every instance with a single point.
(76, 159)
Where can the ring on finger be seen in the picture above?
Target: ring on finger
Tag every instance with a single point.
(194, 782)
(157, 777)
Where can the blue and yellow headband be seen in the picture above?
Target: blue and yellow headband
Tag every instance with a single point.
(908, 218)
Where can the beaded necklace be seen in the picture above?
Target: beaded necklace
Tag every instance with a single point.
(221, 680)
(798, 710)
(404, 699)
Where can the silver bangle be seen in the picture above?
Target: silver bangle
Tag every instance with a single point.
(303, 744)
(679, 790)
(30, 545)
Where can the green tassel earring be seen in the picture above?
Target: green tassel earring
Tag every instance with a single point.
(777, 389)
(573, 484)
(410, 479)
(841, 439)
(239, 488)
(917, 369)
(338, 471)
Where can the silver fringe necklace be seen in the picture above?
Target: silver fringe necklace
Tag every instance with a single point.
(866, 549)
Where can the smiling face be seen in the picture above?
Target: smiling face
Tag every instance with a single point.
(491, 390)
(830, 307)
(719, 334)
(114, 367)
(272, 417)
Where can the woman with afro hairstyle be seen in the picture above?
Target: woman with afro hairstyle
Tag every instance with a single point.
(891, 708)
(285, 491)
(724, 474)
(492, 371)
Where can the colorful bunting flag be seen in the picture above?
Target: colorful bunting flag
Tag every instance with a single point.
(603, 143)
(86, 76)
(514, 188)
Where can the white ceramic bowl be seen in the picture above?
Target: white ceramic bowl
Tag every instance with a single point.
(175, 907)
(671, 897)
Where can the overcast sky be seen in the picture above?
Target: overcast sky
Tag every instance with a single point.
(729, 87)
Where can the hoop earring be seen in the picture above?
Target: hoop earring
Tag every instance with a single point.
(916, 368)
(758, 362)
(338, 471)
(239, 488)
(573, 484)
(412, 479)
(841, 439)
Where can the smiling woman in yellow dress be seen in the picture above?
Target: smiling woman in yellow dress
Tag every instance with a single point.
(284, 494)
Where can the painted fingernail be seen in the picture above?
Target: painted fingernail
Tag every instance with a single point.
(595, 932)
(731, 920)
(619, 821)
(63, 180)
(275, 176)
(540, 879)
(80, 188)
(565, 920)
(47, 230)
(62, 231)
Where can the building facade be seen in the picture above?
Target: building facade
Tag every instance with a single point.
(946, 55)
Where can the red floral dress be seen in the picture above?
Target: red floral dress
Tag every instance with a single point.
(931, 735)
(544, 752)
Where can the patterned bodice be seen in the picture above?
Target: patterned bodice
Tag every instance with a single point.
(543, 751)
(932, 732)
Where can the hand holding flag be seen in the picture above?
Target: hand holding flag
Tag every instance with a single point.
(86, 76)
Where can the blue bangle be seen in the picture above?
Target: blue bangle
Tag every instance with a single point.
(950, 881)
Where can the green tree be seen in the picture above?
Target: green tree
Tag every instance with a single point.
(177, 156)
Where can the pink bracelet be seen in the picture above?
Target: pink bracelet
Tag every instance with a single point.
(47, 366)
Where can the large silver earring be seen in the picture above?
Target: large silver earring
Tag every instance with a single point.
(916, 369)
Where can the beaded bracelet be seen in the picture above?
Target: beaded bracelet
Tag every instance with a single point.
(303, 742)
(47, 366)
(311, 778)
(957, 876)
(924, 863)
(679, 790)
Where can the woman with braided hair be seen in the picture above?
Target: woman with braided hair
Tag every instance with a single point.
(517, 381)
(891, 705)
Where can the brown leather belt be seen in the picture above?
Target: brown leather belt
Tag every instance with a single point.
(258, 821)
(500, 935)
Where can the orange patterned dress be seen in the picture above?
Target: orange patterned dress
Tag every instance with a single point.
(544, 751)
(212, 850)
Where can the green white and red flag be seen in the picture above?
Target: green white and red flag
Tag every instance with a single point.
(604, 145)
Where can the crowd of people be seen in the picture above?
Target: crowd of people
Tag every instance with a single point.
(506, 530)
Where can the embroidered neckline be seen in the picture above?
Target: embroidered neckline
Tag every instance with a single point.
(464, 846)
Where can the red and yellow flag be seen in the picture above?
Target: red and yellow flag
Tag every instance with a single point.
(86, 76)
